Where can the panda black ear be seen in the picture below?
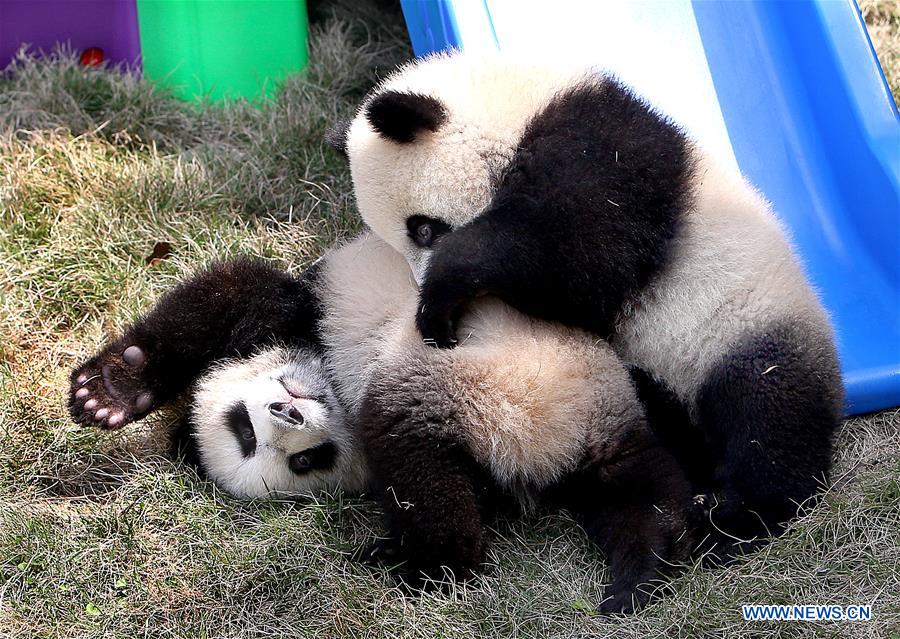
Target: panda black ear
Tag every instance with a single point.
(400, 116)
(336, 136)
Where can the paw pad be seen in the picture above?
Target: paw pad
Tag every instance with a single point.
(143, 402)
(134, 356)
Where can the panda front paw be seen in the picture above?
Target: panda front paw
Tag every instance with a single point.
(109, 390)
(384, 552)
(436, 323)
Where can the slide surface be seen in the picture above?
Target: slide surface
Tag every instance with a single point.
(789, 93)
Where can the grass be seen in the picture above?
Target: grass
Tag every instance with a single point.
(102, 535)
(883, 23)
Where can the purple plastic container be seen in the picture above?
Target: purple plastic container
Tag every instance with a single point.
(110, 25)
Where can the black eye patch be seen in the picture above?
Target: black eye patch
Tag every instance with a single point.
(238, 421)
(424, 230)
(321, 457)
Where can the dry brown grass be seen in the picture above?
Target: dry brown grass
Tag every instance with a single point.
(883, 23)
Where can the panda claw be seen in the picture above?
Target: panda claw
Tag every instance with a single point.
(618, 604)
(382, 552)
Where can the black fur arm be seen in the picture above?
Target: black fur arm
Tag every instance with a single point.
(557, 274)
(227, 310)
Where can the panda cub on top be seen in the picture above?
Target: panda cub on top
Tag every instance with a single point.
(562, 193)
(522, 408)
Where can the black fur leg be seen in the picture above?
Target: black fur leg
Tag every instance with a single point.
(227, 310)
(769, 411)
(635, 502)
(431, 489)
(670, 420)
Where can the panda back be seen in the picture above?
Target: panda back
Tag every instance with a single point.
(731, 273)
(530, 399)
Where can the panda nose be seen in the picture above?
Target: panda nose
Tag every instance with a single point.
(287, 412)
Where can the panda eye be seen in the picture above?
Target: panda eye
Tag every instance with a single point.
(238, 421)
(321, 457)
(300, 463)
(424, 235)
(424, 231)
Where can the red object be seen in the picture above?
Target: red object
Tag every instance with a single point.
(92, 57)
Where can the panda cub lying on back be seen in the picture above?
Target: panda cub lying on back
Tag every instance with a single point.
(522, 407)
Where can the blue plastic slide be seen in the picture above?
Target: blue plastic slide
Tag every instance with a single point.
(788, 92)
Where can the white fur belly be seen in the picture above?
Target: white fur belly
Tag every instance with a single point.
(532, 397)
(369, 299)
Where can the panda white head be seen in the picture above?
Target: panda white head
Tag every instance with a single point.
(429, 144)
(270, 425)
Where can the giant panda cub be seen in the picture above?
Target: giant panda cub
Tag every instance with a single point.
(521, 409)
(564, 194)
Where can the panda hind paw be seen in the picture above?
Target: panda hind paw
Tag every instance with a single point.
(109, 390)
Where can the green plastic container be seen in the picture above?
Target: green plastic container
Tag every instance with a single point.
(222, 49)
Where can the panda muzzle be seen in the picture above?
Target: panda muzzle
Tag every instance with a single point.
(287, 412)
